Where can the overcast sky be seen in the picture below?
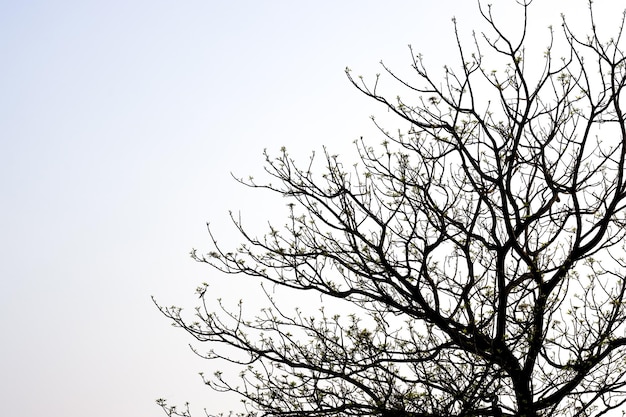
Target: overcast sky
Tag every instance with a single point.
(120, 123)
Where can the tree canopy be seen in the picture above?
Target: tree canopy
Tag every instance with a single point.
(480, 249)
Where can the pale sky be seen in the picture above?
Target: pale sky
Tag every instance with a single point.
(120, 122)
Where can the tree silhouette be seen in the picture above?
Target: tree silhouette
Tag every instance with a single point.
(481, 250)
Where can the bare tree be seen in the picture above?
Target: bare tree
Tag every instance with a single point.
(481, 250)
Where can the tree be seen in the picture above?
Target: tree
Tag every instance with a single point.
(480, 251)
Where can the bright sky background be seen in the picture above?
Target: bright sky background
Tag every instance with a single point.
(120, 122)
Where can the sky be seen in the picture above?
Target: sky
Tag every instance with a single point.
(121, 125)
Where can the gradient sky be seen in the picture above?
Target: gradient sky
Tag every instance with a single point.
(120, 123)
